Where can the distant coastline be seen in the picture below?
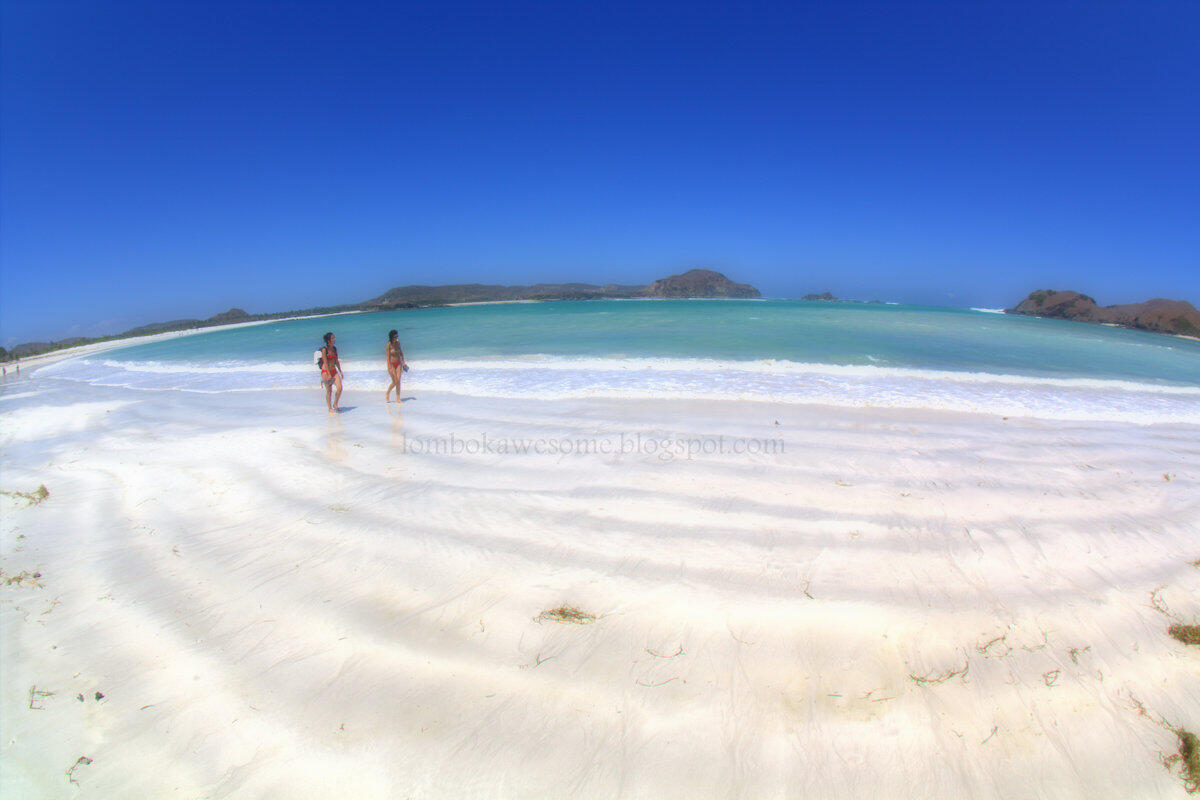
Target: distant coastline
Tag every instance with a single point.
(1169, 317)
(695, 283)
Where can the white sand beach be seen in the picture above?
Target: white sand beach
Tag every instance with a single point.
(239, 596)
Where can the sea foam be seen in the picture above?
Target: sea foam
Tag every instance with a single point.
(548, 377)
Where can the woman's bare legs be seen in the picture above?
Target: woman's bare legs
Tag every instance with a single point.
(337, 382)
(394, 372)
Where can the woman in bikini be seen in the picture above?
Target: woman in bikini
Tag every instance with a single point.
(331, 373)
(395, 365)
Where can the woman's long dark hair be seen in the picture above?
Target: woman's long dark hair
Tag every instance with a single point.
(327, 337)
(392, 335)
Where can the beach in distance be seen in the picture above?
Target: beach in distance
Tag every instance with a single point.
(660, 549)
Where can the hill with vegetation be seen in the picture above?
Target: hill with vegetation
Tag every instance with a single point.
(1159, 315)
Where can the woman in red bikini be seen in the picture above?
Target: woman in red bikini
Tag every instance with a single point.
(331, 373)
(395, 365)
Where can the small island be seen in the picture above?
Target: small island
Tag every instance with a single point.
(1177, 317)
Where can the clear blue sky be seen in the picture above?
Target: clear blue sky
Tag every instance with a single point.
(164, 159)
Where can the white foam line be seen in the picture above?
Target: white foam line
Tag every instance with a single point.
(686, 365)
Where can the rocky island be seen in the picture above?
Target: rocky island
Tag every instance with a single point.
(695, 283)
(1177, 317)
(700, 283)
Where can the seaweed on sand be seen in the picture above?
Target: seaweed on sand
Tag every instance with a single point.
(1188, 759)
(569, 614)
(34, 497)
(1189, 751)
(1188, 634)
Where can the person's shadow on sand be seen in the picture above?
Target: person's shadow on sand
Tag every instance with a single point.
(346, 409)
(406, 399)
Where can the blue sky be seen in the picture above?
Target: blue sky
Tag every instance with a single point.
(162, 160)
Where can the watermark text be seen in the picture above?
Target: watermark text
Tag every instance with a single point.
(663, 447)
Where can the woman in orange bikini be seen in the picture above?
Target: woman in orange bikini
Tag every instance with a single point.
(395, 365)
(331, 373)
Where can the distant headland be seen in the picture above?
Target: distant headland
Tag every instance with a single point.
(1177, 317)
(695, 283)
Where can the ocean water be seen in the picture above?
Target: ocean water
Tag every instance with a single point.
(781, 351)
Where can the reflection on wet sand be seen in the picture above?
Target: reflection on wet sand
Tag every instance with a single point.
(334, 448)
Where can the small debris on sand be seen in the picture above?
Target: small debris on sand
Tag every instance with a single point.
(82, 761)
(657, 654)
(942, 677)
(35, 695)
(22, 578)
(998, 642)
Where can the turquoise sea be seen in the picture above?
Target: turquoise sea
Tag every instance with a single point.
(778, 350)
